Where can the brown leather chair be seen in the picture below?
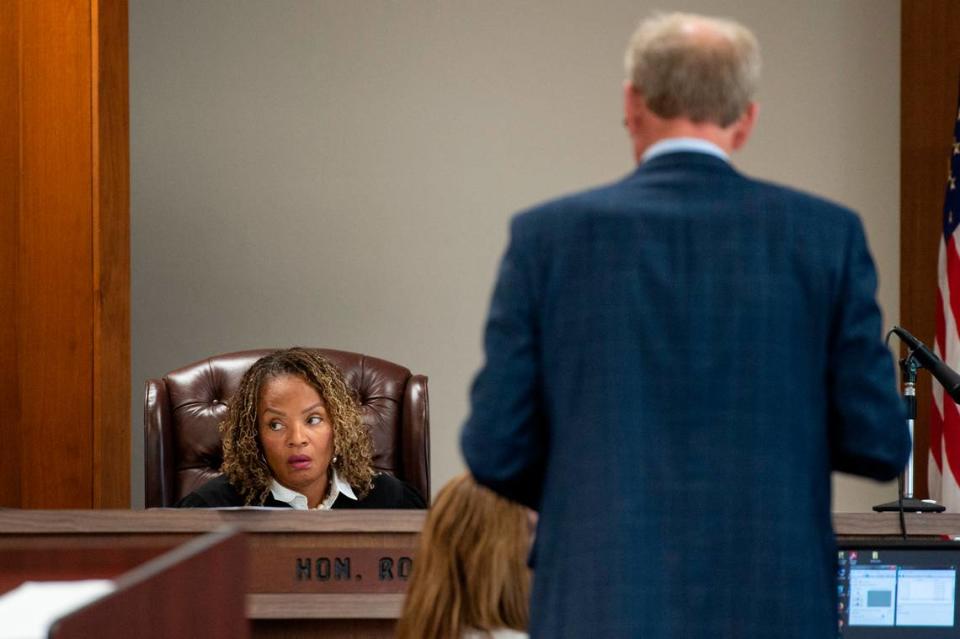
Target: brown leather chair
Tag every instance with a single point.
(183, 410)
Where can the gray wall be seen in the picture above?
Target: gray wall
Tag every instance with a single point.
(340, 174)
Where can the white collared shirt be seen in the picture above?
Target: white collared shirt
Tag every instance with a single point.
(299, 501)
(675, 145)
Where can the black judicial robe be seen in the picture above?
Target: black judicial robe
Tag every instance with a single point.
(388, 492)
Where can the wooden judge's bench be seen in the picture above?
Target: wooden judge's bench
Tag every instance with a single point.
(330, 574)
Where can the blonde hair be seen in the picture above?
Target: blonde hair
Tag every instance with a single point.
(686, 65)
(471, 569)
(243, 460)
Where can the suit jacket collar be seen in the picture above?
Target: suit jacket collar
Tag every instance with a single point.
(685, 160)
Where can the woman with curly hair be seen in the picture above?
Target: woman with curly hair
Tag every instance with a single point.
(293, 438)
(470, 577)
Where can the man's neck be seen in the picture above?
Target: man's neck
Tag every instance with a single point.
(683, 128)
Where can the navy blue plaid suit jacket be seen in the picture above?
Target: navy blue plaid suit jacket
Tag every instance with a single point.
(674, 365)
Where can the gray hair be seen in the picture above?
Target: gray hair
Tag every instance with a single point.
(685, 65)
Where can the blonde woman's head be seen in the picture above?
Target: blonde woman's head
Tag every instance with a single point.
(471, 570)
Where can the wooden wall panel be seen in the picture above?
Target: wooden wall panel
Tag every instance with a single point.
(66, 249)
(111, 272)
(55, 299)
(9, 215)
(930, 71)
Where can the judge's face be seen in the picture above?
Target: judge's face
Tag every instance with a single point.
(296, 435)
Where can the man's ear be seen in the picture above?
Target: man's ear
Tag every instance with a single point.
(633, 106)
(743, 127)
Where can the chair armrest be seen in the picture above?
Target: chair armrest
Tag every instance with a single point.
(415, 440)
(158, 452)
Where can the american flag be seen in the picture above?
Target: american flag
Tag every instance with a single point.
(944, 467)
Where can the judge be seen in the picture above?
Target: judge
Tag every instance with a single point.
(293, 438)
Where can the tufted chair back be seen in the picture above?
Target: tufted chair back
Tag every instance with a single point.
(183, 410)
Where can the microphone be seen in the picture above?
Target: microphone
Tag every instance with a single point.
(947, 377)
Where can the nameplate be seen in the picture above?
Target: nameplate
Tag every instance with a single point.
(332, 570)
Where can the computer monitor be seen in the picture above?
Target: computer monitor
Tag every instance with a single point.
(890, 589)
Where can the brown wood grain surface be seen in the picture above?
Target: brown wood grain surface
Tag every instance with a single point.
(309, 553)
(9, 231)
(55, 299)
(58, 544)
(327, 628)
(930, 72)
(173, 520)
(24, 560)
(888, 524)
(305, 566)
(64, 254)
(111, 257)
(195, 590)
(294, 606)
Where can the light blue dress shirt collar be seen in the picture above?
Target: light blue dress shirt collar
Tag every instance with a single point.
(688, 145)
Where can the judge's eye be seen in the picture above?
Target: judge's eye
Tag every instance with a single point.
(313, 420)
(274, 425)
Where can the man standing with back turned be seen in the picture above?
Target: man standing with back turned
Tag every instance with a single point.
(674, 365)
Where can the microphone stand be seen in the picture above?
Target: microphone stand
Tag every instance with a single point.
(908, 503)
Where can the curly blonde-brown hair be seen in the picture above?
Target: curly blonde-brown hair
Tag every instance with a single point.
(244, 462)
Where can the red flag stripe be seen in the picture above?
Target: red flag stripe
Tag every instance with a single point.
(951, 436)
(950, 454)
(936, 419)
(953, 284)
(936, 435)
(941, 336)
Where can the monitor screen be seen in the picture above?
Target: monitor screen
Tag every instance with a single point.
(890, 589)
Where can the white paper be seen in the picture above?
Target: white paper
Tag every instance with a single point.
(28, 611)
